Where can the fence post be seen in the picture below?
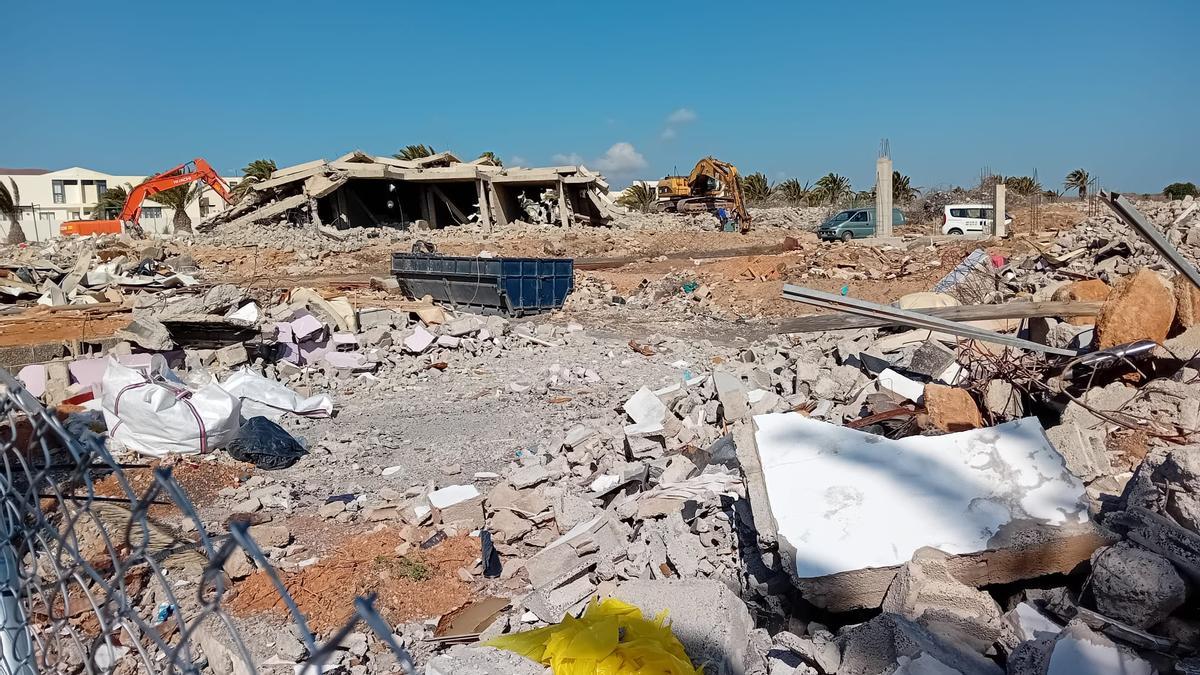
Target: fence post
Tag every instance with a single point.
(16, 649)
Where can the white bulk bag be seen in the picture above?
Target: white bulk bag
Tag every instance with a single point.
(156, 414)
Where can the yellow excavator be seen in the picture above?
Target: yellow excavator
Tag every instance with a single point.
(712, 186)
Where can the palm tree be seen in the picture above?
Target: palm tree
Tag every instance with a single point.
(10, 206)
(638, 197)
(1078, 180)
(902, 189)
(255, 172)
(415, 152)
(1022, 185)
(757, 188)
(793, 192)
(178, 198)
(111, 201)
(492, 157)
(832, 188)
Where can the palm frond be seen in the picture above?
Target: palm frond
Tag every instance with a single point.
(637, 196)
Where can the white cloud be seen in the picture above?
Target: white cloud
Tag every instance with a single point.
(517, 160)
(621, 158)
(668, 134)
(572, 158)
(681, 116)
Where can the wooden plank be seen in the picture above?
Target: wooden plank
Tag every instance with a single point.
(1011, 310)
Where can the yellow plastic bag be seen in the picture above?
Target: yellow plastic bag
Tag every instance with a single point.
(611, 638)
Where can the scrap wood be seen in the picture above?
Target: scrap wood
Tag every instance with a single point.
(644, 350)
(1011, 310)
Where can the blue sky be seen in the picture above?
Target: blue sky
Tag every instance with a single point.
(790, 89)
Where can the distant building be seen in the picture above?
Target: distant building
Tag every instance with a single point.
(50, 197)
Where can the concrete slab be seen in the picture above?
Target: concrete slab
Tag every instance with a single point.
(999, 496)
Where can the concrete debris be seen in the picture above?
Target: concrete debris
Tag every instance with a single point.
(479, 660)
(1134, 585)
(892, 643)
(855, 500)
(719, 647)
(925, 592)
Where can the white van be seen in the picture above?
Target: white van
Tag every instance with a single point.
(969, 218)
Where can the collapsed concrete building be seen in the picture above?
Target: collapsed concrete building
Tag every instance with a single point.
(361, 190)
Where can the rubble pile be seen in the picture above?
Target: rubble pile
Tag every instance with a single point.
(1014, 489)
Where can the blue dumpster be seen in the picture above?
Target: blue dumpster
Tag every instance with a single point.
(511, 286)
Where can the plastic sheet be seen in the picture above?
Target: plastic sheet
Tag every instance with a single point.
(262, 397)
(611, 638)
(266, 445)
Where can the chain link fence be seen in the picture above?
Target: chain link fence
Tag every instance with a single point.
(114, 580)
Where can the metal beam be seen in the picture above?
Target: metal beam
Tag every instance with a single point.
(1127, 212)
(904, 317)
(1008, 310)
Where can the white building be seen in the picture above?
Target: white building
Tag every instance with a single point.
(50, 197)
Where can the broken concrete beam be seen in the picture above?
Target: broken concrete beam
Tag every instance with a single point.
(869, 503)
(148, 333)
(719, 646)
(951, 408)
(269, 211)
(1140, 307)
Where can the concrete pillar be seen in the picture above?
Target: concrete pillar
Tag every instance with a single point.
(999, 227)
(883, 197)
(485, 211)
(564, 213)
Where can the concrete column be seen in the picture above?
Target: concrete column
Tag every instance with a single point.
(883, 197)
(485, 211)
(563, 212)
(431, 208)
(999, 228)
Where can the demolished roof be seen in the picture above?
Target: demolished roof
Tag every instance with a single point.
(580, 194)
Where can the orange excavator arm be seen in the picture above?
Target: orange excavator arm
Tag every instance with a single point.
(131, 213)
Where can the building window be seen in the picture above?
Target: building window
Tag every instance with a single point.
(152, 212)
(101, 188)
(205, 207)
(60, 196)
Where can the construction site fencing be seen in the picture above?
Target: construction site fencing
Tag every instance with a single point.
(98, 577)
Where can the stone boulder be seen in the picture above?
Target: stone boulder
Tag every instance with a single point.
(1140, 307)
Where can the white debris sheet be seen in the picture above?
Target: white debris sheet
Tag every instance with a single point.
(271, 399)
(847, 500)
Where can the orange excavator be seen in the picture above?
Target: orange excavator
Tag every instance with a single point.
(131, 213)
